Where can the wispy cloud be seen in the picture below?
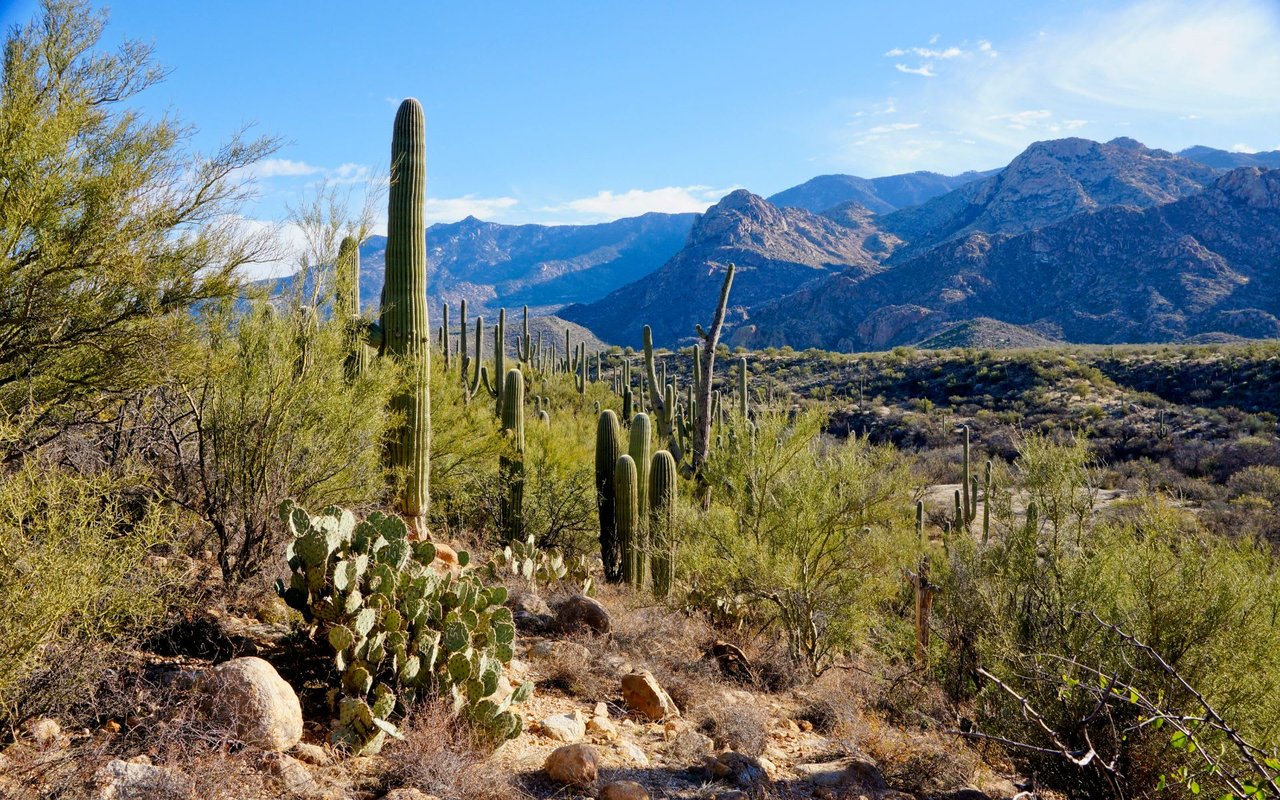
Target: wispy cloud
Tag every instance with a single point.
(609, 205)
(1169, 72)
(282, 168)
(924, 70)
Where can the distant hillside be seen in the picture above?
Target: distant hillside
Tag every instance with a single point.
(1224, 159)
(986, 333)
(1208, 263)
(544, 266)
(776, 251)
(1049, 182)
(880, 195)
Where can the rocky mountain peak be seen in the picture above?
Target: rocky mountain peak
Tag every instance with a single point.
(1259, 188)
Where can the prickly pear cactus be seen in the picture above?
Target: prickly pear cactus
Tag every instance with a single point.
(398, 629)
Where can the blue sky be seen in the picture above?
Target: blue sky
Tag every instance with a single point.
(556, 111)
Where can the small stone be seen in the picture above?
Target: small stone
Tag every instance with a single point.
(691, 743)
(806, 726)
(110, 726)
(290, 773)
(602, 725)
(122, 780)
(573, 765)
(601, 710)
(46, 732)
(249, 696)
(312, 754)
(633, 753)
(580, 612)
(557, 649)
(564, 727)
(624, 790)
(741, 769)
(852, 771)
(642, 693)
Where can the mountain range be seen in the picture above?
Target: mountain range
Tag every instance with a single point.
(1074, 240)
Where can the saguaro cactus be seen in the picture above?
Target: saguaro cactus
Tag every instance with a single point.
(640, 448)
(608, 448)
(662, 509)
(346, 301)
(405, 322)
(626, 513)
(512, 466)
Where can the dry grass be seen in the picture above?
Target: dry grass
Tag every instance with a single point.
(440, 756)
(742, 726)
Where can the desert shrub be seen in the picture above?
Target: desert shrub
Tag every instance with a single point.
(742, 726)
(1024, 610)
(440, 756)
(559, 493)
(264, 412)
(73, 574)
(811, 531)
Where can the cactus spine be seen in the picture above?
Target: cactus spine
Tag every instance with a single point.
(627, 515)
(662, 509)
(405, 321)
(512, 466)
(608, 448)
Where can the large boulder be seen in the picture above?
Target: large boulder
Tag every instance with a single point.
(573, 765)
(581, 612)
(642, 693)
(258, 707)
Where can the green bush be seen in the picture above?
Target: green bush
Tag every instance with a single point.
(262, 412)
(1023, 608)
(73, 573)
(812, 532)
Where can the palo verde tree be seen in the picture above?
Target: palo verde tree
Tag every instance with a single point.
(110, 227)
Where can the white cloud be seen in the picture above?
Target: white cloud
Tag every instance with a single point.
(924, 70)
(282, 168)
(608, 205)
(896, 126)
(1171, 73)
(452, 209)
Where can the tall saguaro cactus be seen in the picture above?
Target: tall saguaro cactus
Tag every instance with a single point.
(346, 301)
(626, 512)
(512, 466)
(662, 509)
(608, 448)
(405, 322)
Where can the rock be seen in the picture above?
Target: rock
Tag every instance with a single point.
(602, 725)
(579, 612)
(633, 753)
(556, 649)
(741, 769)
(122, 780)
(601, 710)
(690, 745)
(852, 771)
(447, 556)
(291, 774)
(530, 612)
(250, 697)
(642, 693)
(312, 754)
(573, 765)
(565, 727)
(46, 733)
(624, 790)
